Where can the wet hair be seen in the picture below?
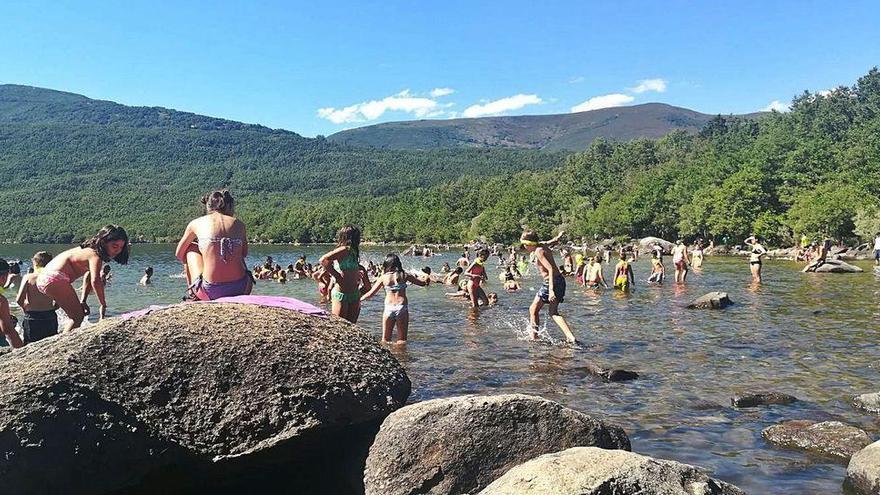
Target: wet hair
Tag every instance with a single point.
(4, 267)
(393, 265)
(458, 270)
(483, 252)
(350, 236)
(42, 258)
(529, 235)
(148, 270)
(106, 269)
(108, 234)
(15, 268)
(427, 270)
(220, 201)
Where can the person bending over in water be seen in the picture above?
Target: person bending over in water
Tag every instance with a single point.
(40, 320)
(624, 279)
(476, 274)
(7, 321)
(147, 279)
(510, 283)
(553, 291)
(593, 276)
(55, 280)
(755, 257)
(681, 261)
(394, 279)
(658, 271)
(213, 249)
(346, 272)
(453, 276)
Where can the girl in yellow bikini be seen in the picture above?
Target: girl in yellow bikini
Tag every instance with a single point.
(342, 264)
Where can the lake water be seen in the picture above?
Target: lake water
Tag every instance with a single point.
(810, 335)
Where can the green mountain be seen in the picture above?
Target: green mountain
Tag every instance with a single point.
(572, 131)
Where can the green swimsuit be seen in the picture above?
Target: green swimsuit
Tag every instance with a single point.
(348, 264)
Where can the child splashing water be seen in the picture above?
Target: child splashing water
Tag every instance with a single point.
(553, 291)
(394, 279)
(111, 243)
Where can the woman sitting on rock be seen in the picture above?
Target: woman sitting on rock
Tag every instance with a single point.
(213, 250)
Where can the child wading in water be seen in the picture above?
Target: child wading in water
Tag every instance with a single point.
(553, 291)
(40, 320)
(624, 279)
(394, 279)
(477, 274)
(111, 243)
(346, 295)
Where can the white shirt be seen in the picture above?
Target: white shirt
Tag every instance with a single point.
(877, 243)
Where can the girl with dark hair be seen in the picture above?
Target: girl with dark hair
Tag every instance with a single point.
(346, 295)
(213, 250)
(394, 279)
(55, 280)
(477, 275)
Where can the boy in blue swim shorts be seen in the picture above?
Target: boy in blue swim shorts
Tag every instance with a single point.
(553, 291)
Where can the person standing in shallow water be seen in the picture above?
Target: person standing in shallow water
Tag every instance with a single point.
(40, 320)
(342, 264)
(756, 258)
(680, 261)
(7, 321)
(553, 291)
(213, 249)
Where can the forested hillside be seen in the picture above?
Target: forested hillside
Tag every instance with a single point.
(813, 170)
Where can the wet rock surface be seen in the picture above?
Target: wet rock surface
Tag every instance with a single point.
(755, 399)
(461, 444)
(829, 438)
(194, 396)
(832, 266)
(863, 471)
(712, 300)
(867, 402)
(593, 471)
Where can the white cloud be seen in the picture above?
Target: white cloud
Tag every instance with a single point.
(439, 92)
(372, 110)
(825, 92)
(577, 80)
(658, 85)
(775, 105)
(498, 107)
(604, 101)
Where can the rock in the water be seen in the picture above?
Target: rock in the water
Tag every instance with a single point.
(592, 471)
(868, 402)
(863, 472)
(712, 300)
(646, 244)
(832, 266)
(830, 438)
(460, 444)
(762, 399)
(194, 395)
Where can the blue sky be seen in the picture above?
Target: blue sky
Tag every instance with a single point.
(317, 68)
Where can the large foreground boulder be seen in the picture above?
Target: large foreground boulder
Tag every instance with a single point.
(829, 438)
(868, 402)
(592, 471)
(460, 444)
(863, 472)
(194, 397)
(712, 300)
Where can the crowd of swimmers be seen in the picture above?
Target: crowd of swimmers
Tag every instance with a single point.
(214, 247)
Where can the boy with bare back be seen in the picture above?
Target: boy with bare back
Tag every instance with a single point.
(553, 290)
(7, 321)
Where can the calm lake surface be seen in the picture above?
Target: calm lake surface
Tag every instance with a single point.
(813, 336)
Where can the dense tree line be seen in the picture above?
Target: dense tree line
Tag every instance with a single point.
(814, 170)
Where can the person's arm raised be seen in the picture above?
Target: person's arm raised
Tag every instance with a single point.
(380, 282)
(327, 261)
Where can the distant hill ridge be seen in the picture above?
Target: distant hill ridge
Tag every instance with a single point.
(32, 105)
(571, 131)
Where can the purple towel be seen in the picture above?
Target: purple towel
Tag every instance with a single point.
(274, 301)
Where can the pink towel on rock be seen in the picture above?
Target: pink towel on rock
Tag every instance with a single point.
(274, 301)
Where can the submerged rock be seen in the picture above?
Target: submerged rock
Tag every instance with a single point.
(868, 402)
(863, 472)
(592, 471)
(197, 395)
(607, 374)
(712, 300)
(755, 399)
(830, 438)
(460, 444)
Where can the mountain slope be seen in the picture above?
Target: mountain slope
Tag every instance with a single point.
(572, 131)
